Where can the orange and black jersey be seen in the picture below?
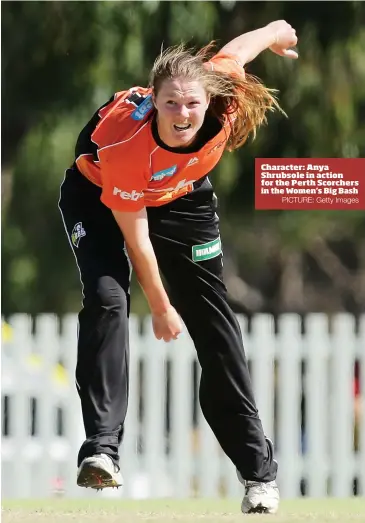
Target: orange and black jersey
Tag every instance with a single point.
(120, 150)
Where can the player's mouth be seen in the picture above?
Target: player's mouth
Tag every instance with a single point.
(180, 128)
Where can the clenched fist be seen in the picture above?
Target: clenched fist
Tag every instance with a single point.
(284, 37)
(167, 326)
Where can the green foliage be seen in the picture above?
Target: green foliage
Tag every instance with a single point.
(48, 49)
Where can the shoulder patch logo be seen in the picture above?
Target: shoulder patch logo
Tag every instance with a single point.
(143, 108)
(77, 233)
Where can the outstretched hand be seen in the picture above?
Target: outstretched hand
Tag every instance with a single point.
(285, 37)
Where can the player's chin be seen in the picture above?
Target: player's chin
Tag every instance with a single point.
(184, 138)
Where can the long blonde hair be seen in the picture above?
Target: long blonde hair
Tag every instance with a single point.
(234, 94)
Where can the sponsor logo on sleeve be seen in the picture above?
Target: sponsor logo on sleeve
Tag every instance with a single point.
(143, 109)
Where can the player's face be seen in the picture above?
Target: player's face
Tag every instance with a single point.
(181, 106)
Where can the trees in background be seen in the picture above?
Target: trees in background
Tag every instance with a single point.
(61, 60)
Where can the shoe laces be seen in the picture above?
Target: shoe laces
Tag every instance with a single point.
(259, 485)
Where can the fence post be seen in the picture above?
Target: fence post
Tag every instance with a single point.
(181, 418)
(361, 455)
(20, 405)
(315, 436)
(129, 452)
(289, 397)
(262, 351)
(74, 429)
(154, 437)
(342, 404)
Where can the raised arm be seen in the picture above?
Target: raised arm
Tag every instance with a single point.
(277, 36)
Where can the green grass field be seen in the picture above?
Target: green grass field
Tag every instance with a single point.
(178, 511)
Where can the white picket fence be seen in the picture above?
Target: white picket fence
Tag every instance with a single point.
(168, 448)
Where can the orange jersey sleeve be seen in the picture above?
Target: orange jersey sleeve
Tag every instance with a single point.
(226, 63)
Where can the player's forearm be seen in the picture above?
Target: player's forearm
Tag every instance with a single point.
(144, 263)
(134, 226)
(248, 45)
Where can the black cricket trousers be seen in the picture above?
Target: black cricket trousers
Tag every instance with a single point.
(178, 231)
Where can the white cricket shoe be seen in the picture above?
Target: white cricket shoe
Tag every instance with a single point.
(99, 472)
(259, 498)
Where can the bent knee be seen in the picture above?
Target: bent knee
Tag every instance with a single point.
(111, 294)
